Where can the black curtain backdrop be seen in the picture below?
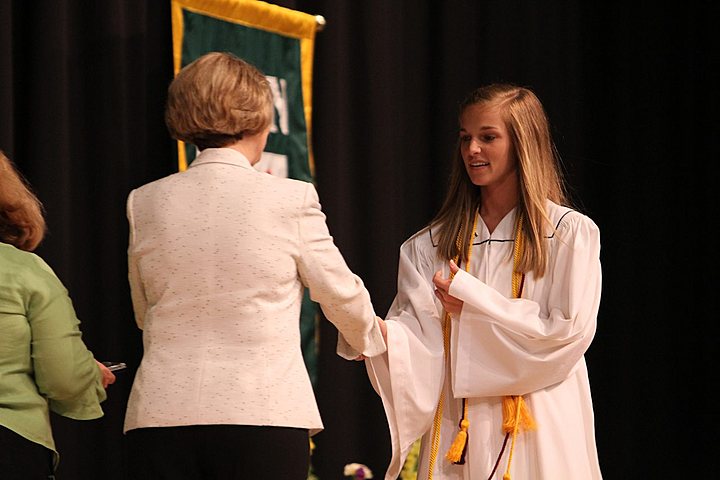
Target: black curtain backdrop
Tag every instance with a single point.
(631, 91)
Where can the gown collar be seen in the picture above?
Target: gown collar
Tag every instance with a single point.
(504, 231)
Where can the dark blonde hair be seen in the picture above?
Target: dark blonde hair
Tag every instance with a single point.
(21, 214)
(216, 100)
(539, 177)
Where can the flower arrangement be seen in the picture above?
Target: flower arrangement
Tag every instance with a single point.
(357, 471)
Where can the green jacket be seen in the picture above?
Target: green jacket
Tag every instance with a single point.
(44, 364)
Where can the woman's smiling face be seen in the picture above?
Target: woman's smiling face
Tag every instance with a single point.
(486, 147)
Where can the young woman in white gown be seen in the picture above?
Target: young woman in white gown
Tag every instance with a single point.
(509, 328)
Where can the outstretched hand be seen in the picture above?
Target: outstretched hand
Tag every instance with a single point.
(108, 377)
(383, 328)
(451, 304)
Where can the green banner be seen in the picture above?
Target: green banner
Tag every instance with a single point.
(279, 43)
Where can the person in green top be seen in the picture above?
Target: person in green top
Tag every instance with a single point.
(44, 363)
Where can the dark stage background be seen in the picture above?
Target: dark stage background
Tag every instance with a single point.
(632, 95)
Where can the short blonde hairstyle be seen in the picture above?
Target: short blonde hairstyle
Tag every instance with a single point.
(21, 214)
(216, 100)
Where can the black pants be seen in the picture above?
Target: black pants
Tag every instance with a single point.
(218, 452)
(21, 459)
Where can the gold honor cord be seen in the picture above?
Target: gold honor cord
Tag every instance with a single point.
(516, 414)
(515, 411)
(437, 421)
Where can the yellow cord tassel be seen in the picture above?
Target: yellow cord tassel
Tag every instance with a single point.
(457, 448)
(516, 417)
(512, 418)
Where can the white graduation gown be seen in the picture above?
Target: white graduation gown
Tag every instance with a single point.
(533, 346)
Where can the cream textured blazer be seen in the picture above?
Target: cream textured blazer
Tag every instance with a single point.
(219, 256)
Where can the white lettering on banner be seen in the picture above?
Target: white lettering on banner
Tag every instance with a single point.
(280, 101)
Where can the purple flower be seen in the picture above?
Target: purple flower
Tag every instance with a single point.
(357, 471)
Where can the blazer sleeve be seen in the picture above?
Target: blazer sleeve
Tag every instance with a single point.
(137, 291)
(340, 293)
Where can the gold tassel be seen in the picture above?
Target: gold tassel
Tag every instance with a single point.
(516, 417)
(524, 420)
(455, 453)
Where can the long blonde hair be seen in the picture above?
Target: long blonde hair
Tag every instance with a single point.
(21, 214)
(539, 177)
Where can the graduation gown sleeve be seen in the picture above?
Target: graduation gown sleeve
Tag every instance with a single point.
(526, 344)
(409, 376)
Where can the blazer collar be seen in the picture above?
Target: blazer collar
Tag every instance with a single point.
(221, 155)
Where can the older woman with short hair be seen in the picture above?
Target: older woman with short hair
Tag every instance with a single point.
(219, 257)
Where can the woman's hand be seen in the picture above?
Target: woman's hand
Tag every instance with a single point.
(383, 330)
(108, 377)
(451, 304)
